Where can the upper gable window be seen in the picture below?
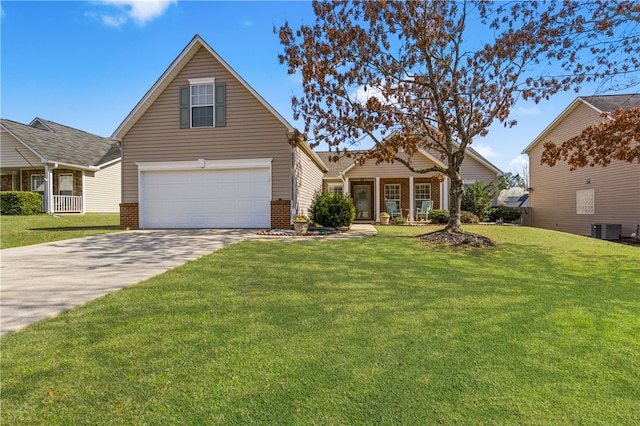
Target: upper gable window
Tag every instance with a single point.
(202, 103)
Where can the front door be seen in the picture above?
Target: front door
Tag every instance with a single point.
(362, 197)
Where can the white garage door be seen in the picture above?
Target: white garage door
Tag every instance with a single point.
(230, 198)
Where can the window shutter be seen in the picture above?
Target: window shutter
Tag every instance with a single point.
(221, 105)
(184, 107)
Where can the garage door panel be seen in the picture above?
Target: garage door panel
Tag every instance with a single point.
(205, 198)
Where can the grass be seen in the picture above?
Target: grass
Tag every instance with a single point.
(544, 329)
(17, 231)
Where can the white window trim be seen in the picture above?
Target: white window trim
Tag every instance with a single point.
(65, 174)
(399, 200)
(44, 182)
(200, 82)
(331, 187)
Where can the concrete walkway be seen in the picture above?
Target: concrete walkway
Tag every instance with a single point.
(43, 280)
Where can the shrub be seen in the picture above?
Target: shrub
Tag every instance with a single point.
(330, 209)
(399, 220)
(468, 217)
(504, 213)
(20, 203)
(478, 196)
(439, 216)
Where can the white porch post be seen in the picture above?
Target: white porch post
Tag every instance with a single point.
(84, 181)
(444, 194)
(48, 189)
(377, 198)
(412, 208)
(345, 187)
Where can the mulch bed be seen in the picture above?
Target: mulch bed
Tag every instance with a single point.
(631, 241)
(313, 230)
(457, 238)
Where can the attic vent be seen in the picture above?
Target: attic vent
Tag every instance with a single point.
(606, 231)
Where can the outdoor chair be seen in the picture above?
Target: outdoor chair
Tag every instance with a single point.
(392, 209)
(424, 209)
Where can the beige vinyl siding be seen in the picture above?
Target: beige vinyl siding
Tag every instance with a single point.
(472, 170)
(102, 190)
(553, 199)
(308, 181)
(385, 170)
(251, 131)
(9, 147)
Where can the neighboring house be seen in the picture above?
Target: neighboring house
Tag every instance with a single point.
(373, 185)
(202, 149)
(573, 201)
(75, 171)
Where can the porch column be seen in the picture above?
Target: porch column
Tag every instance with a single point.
(82, 201)
(444, 194)
(345, 187)
(412, 208)
(377, 198)
(48, 189)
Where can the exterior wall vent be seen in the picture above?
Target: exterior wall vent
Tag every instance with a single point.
(606, 231)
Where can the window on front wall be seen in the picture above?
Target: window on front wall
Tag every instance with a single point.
(65, 184)
(585, 201)
(203, 104)
(335, 188)
(37, 183)
(392, 194)
(422, 192)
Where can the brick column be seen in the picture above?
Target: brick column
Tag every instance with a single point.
(129, 216)
(281, 214)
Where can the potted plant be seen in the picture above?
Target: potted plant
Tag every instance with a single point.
(384, 218)
(301, 224)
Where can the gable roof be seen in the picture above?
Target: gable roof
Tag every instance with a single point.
(174, 69)
(170, 73)
(56, 143)
(600, 104)
(344, 164)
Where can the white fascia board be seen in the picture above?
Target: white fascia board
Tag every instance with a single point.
(179, 62)
(557, 121)
(108, 163)
(202, 164)
(431, 157)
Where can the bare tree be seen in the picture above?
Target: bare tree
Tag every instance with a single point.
(436, 74)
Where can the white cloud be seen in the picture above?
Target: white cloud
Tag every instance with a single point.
(531, 111)
(140, 11)
(485, 150)
(518, 164)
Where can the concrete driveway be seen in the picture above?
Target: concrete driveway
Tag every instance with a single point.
(43, 280)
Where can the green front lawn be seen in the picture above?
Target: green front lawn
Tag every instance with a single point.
(544, 329)
(17, 231)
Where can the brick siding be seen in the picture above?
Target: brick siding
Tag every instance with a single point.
(129, 216)
(281, 214)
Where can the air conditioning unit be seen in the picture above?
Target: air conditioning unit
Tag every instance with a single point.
(606, 231)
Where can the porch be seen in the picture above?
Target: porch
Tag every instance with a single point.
(64, 204)
(399, 196)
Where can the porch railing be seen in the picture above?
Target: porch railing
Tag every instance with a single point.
(66, 204)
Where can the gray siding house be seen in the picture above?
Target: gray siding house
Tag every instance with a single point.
(75, 171)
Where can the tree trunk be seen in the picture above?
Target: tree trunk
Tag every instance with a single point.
(455, 202)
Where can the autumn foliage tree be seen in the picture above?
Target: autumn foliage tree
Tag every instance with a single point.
(434, 75)
(617, 137)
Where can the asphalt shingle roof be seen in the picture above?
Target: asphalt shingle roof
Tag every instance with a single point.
(610, 103)
(64, 144)
(334, 167)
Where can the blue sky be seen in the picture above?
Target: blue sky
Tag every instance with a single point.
(87, 64)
